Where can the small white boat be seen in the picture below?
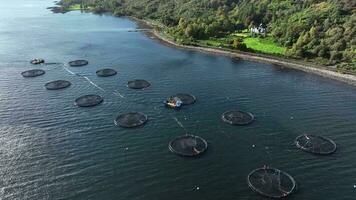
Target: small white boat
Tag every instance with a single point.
(173, 102)
(37, 61)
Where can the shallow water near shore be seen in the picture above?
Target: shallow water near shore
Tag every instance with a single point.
(51, 149)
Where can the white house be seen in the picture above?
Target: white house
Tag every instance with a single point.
(259, 30)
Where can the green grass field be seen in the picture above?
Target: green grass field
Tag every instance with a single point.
(74, 7)
(264, 45)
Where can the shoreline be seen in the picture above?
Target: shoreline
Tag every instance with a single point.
(284, 62)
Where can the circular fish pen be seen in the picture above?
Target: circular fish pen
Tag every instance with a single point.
(33, 73)
(138, 84)
(236, 117)
(78, 63)
(186, 99)
(89, 100)
(188, 145)
(271, 182)
(131, 120)
(106, 72)
(57, 85)
(315, 144)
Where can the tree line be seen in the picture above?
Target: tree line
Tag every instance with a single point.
(308, 28)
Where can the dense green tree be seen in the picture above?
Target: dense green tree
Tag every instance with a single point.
(238, 44)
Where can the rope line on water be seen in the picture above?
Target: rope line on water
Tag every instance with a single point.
(118, 94)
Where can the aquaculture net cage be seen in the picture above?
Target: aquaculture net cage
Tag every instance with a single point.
(89, 100)
(57, 85)
(188, 145)
(138, 84)
(271, 182)
(131, 120)
(78, 63)
(33, 73)
(236, 117)
(186, 99)
(315, 144)
(106, 72)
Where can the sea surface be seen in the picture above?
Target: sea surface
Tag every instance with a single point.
(52, 149)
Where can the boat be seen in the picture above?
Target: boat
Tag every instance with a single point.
(173, 102)
(37, 61)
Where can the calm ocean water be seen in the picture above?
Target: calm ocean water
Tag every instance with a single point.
(51, 149)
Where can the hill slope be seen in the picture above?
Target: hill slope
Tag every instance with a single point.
(324, 31)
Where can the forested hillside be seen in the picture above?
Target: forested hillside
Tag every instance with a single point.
(324, 31)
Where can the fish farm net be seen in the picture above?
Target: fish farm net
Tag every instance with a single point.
(89, 100)
(186, 99)
(138, 84)
(188, 145)
(237, 117)
(315, 144)
(271, 182)
(33, 73)
(106, 72)
(78, 63)
(131, 120)
(57, 85)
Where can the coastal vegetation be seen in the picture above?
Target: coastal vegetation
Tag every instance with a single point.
(246, 42)
(315, 30)
(74, 7)
(68, 8)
